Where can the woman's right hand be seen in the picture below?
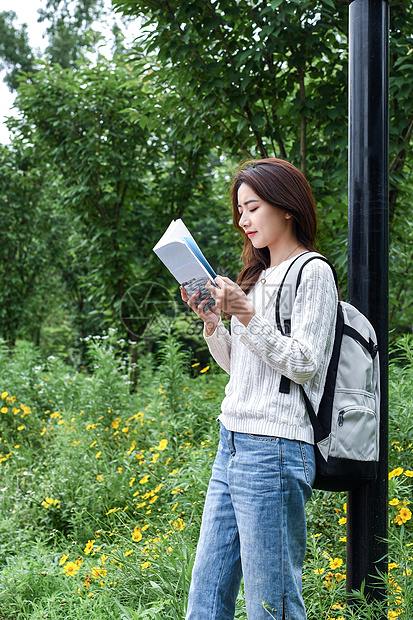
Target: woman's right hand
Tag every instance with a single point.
(210, 317)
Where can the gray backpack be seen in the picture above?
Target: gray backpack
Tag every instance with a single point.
(346, 426)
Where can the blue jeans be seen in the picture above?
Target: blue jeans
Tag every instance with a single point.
(253, 527)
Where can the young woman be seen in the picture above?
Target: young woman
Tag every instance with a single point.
(253, 525)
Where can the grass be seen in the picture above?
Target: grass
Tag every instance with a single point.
(102, 489)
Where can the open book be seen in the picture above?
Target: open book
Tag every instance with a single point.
(180, 253)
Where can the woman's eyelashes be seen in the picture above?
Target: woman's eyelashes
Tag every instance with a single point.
(241, 213)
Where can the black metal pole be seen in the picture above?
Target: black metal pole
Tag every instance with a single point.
(368, 263)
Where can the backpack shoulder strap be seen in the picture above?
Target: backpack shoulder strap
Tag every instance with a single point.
(286, 296)
(288, 289)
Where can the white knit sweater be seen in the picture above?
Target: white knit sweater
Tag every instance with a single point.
(256, 356)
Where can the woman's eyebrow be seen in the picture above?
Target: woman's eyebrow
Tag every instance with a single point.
(247, 202)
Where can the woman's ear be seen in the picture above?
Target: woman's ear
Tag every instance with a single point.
(287, 215)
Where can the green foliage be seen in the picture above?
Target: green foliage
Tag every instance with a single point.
(252, 72)
(119, 183)
(69, 23)
(107, 152)
(16, 55)
(270, 79)
(31, 236)
(103, 489)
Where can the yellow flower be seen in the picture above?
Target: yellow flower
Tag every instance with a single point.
(179, 524)
(20, 428)
(394, 502)
(63, 559)
(43, 431)
(128, 552)
(340, 577)
(112, 510)
(342, 521)
(319, 571)
(89, 546)
(49, 501)
(395, 472)
(404, 515)
(131, 449)
(408, 473)
(145, 565)
(144, 480)
(204, 369)
(393, 565)
(336, 563)
(115, 423)
(71, 569)
(98, 572)
(162, 444)
(137, 534)
(155, 457)
(4, 409)
(97, 455)
(4, 395)
(393, 614)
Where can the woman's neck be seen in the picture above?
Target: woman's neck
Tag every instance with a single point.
(280, 254)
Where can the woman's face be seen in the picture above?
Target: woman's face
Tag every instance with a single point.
(265, 225)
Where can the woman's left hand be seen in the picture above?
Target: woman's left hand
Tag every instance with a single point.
(230, 298)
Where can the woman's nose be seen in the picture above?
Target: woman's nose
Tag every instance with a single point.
(243, 220)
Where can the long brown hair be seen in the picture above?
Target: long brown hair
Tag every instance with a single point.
(283, 186)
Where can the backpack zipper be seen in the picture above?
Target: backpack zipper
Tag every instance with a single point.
(341, 418)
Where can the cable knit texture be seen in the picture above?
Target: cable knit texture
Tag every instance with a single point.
(256, 356)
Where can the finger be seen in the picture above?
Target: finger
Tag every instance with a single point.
(226, 280)
(184, 294)
(201, 307)
(191, 301)
(211, 286)
(219, 281)
(223, 281)
(213, 291)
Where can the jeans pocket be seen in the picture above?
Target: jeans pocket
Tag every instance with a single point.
(263, 437)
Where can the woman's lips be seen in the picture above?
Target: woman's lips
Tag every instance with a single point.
(250, 233)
